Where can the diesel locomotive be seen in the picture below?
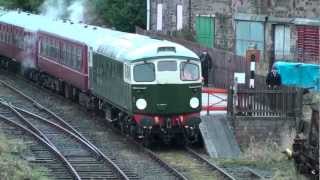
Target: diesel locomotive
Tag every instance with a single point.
(149, 88)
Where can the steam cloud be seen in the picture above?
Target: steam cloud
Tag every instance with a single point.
(58, 9)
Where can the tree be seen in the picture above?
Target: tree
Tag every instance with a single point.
(26, 5)
(123, 15)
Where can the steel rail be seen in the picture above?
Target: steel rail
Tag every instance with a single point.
(50, 147)
(155, 157)
(60, 120)
(75, 133)
(97, 153)
(210, 164)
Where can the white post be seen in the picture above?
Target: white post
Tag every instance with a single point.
(148, 15)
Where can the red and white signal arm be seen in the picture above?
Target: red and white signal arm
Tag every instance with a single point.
(253, 53)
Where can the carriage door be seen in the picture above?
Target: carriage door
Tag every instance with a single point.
(205, 30)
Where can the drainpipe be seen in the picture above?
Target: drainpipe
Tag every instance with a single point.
(148, 15)
(190, 15)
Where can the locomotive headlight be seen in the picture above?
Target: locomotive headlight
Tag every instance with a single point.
(194, 102)
(141, 104)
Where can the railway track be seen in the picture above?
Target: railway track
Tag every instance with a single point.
(51, 127)
(81, 158)
(42, 153)
(143, 163)
(230, 172)
(125, 154)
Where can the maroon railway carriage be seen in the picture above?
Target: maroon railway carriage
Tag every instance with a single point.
(65, 59)
(57, 60)
(18, 43)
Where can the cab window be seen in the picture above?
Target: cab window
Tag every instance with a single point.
(144, 72)
(189, 72)
(167, 66)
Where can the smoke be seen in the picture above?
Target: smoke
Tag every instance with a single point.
(29, 56)
(76, 11)
(53, 8)
(59, 9)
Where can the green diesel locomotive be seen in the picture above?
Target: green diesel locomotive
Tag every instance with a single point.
(150, 88)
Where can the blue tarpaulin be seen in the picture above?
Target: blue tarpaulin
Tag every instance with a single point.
(300, 75)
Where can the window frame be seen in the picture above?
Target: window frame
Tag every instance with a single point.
(144, 63)
(181, 72)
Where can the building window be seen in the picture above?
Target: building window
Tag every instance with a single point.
(159, 17)
(282, 42)
(308, 46)
(179, 17)
(249, 33)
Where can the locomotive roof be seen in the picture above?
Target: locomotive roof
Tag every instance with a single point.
(115, 44)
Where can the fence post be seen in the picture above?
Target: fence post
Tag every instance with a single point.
(235, 97)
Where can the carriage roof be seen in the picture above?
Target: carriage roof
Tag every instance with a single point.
(115, 44)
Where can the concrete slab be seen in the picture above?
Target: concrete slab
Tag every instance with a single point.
(218, 138)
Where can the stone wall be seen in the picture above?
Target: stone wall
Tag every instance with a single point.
(225, 11)
(262, 130)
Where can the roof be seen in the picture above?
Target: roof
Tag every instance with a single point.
(120, 45)
(250, 17)
(305, 21)
(274, 19)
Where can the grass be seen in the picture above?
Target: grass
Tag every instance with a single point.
(12, 165)
(267, 156)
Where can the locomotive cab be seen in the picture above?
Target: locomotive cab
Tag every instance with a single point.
(166, 97)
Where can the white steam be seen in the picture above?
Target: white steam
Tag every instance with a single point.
(58, 9)
(53, 8)
(76, 11)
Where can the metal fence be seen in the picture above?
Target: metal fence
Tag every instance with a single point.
(284, 103)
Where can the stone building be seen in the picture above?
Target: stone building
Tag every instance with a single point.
(281, 29)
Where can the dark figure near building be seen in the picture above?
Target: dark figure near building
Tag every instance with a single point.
(206, 65)
(273, 79)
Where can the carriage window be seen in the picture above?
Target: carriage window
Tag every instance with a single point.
(189, 72)
(144, 72)
(79, 53)
(167, 66)
(41, 47)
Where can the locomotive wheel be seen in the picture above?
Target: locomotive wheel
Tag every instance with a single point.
(147, 141)
(180, 140)
(133, 130)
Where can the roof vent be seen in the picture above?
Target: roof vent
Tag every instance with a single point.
(166, 49)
